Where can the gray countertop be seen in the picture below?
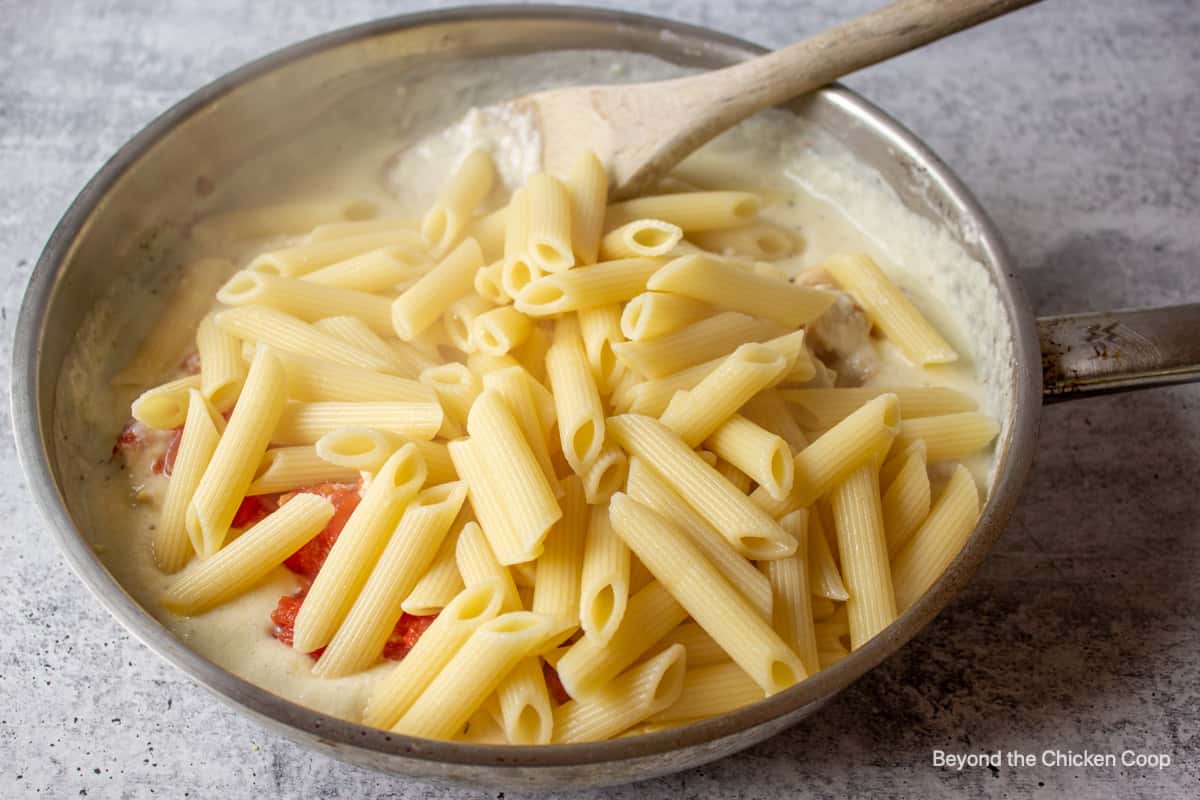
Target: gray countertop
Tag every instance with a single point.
(1078, 127)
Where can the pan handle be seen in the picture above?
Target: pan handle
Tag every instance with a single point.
(1116, 351)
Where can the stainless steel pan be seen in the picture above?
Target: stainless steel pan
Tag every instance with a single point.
(125, 217)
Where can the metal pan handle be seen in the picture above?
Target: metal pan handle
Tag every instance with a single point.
(1117, 351)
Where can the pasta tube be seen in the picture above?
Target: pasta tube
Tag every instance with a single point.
(222, 368)
(793, 619)
(823, 408)
(604, 592)
(500, 330)
(637, 695)
(652, 314)
(691, 211)
(597, 285)
(757, 453)
(709, 691)
(642, 237)
(165, 407)
(445, 222)
(600, 328)
(929, 552)
(950, 436)
(375, 270)
(287, 334)
(588, 188)
(305, 300)
(306, 423)
(419, 306)
(314, 380)
(863, 548)
(283, 469)
(549, 237)
(201, 432)
(561, 564)
(577, 404)
(711, 338)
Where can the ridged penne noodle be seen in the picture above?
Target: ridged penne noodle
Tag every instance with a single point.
(587, 666)
(604, 588)
(532, 356)
(906, 501)
(527, 717)
(695, 414)
(357, 549)
(283, 469)
(862, 545)
(577, 404)
(315, 380)
(712, 690)
(727, 285)
(515, 385)
(360, 638)
(519, 269)
(760, 241)
(474, 672)
(648, 488)
(489, 505)
(500, 330)
(530, 503)
(401, 358)
(793, 619)
(702, 649)
(277, 220)
(561, 564)
(708, 339)
(595, 285)
(287, 334)
(896, 459)
(249, 558)
(939, 539)
(441, 582)
(824, 577)
(459, 320)
(376, 270)
(751, 532)
(719, 608)
(890, 309)
(222, 368)
(489, 284)
(621, 397)
(642, 237)
(420, 305)
(691, 211)
(163, 346)
(635, 696)
(343, 230)
(819, 409)
(456, 388)
(588, 187)
(356, 447)
(864, 434)
(549, 236)
(201, 431)
(770, 411)
(758, 453)
(488, 231)
(950, 436)
(165, 407)
(653, 314)
(600, 328)
(395, 694)
(444, 224)
(297, 261)
(305, 423)
(606, 475)
(237, 455)
(482, 728)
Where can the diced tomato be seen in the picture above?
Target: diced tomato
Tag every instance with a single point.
(405, 635)
(284, 617)
(165, 463)
(308, 559)
(557, 693)
(254, 508)
(130, 438)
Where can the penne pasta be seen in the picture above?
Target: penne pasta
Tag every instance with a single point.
(489, 230)
(727, 285)
(357, 549)
(708, 691)
(489, 284)
(793, 617)
(708, 339)
(361, 637)
(500, 330)
(581, 426)
(376, 270)
(759, 454)
(560, 567)
(819, 409)
(702, 649)
(518, 269)
(633, 697)
(862, 546)
(890, 309)
(548, 241)
(222, 368)
(653, 314)
(284, 469)
(587, 186)
(515, 385)
(526, 716)
(606, 475)
(441, 582)
(708, 598)
(314, 380)
(456, 388)
(489, 505)
(459, 321)
(596, 285)
(400, 358)
(642, 237)
(906, 501)
(604, 587)
(444, 224)
(824, 577)
(287, 334)
(691, 211)
(237, 454)
(770, 411)
(202, 428)
(600, 328)
(165, 407)
(301, 259)
(950, 436)
(248, 559)
(419, 306)
(305, 423)
(929, 552)
(751, 532)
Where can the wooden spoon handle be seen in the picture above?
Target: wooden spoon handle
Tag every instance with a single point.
(704, 105)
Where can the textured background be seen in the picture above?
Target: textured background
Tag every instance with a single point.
(1078, 127)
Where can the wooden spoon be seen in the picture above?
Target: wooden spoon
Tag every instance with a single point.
(640, 131)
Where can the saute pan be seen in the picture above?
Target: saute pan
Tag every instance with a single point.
(124, 220)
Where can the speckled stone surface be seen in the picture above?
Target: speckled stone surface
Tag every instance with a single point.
(1078, 127)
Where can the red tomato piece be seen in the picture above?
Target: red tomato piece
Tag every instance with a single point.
(130, 437)
(254, 508)
(405, 635)
(308, 559)
(284, 617)
(557, 693)
(165, 463)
